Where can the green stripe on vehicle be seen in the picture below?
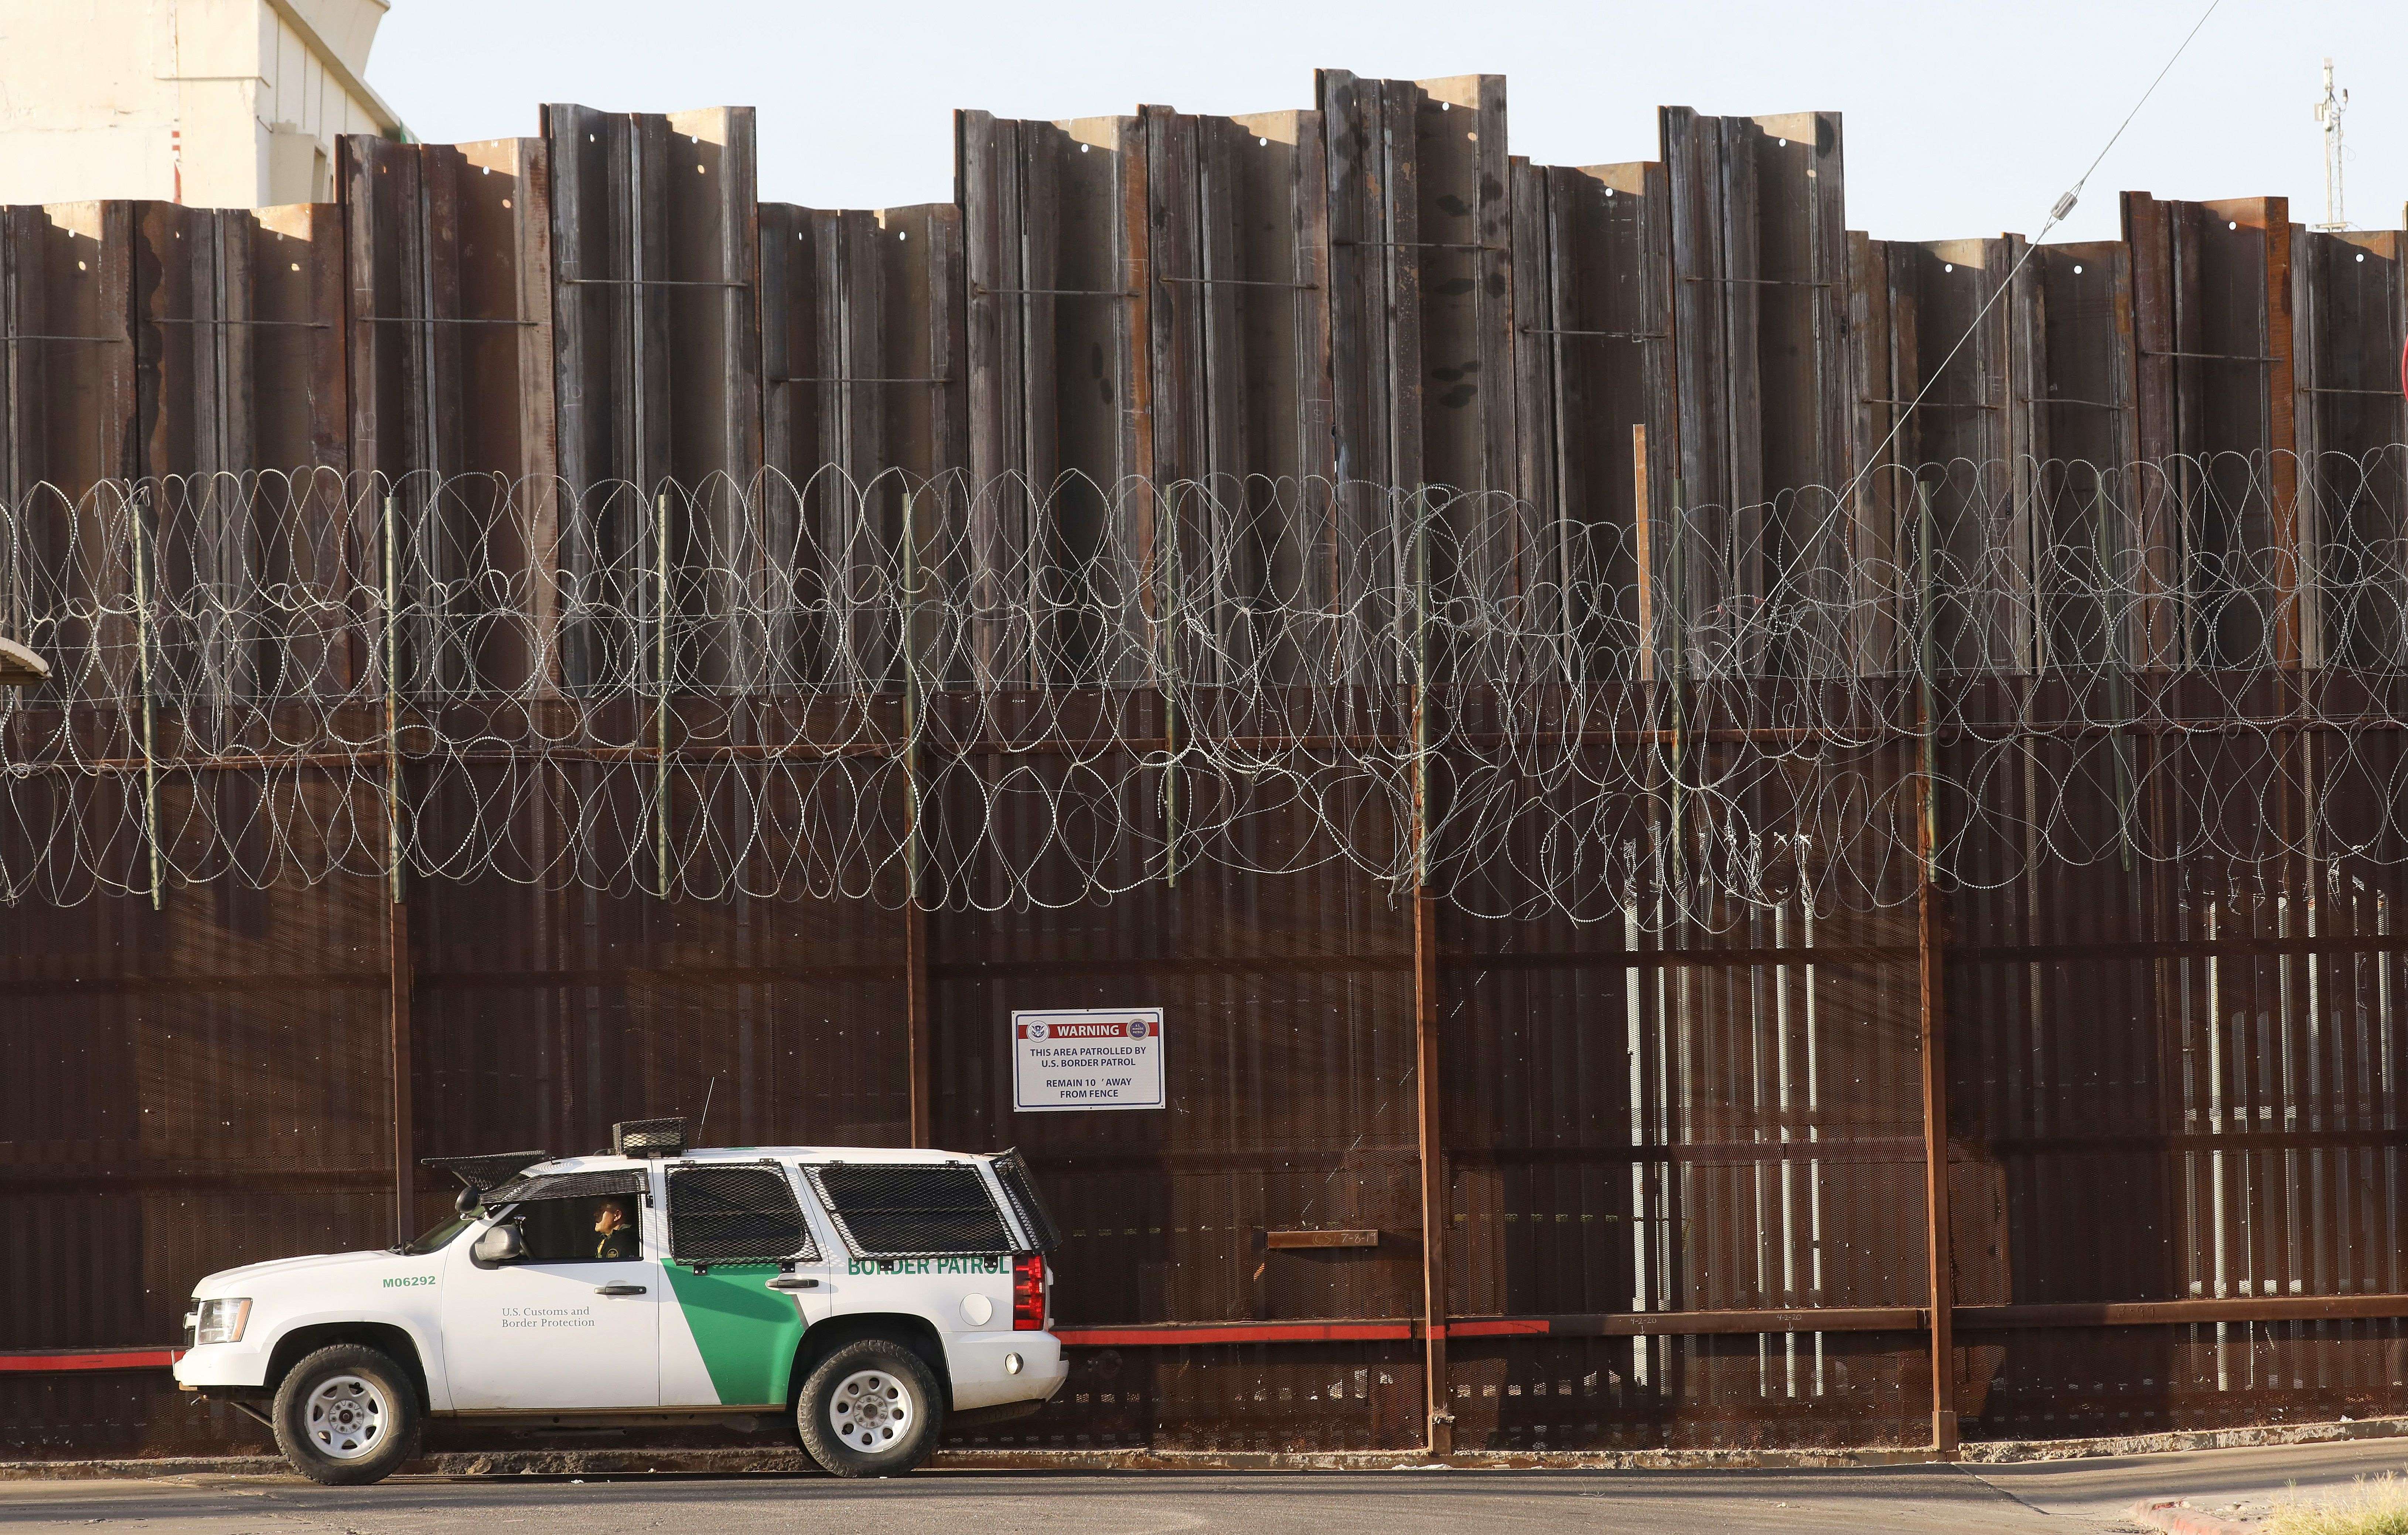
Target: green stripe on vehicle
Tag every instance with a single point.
(745, 1333)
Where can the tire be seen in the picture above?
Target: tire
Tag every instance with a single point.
(347, 1415)
(870, 1409)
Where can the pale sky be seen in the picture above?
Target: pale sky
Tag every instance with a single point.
(1963, 118)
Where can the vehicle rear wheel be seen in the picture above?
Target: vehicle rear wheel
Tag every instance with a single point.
(870, 1409)
(347, 1415)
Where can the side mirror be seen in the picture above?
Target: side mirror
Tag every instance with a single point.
(501, 1244)
(471, 1199)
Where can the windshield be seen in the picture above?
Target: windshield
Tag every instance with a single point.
(437, 1240)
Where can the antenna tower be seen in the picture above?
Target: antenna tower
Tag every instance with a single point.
(2328, 112)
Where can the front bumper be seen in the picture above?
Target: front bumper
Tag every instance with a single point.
(223, 1365)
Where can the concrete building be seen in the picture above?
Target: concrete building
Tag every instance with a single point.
(212, 103)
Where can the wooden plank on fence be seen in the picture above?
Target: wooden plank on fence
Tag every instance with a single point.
(1279, 1241)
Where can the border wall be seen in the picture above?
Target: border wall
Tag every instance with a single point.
(2020, 1144)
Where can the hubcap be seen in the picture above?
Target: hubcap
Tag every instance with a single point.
(871, 1411)
(345, 1418)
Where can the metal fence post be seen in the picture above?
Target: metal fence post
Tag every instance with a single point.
(1676, 636)
(1429, 1122)
(661, 702)
(1170, 697)
(398, 1002)
(149, 716)
(918, 1043)
(1931, 944)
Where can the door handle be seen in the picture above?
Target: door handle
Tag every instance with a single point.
(619, 1289)
(788, 1282)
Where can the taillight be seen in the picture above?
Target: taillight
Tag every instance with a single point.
(1028, 1293)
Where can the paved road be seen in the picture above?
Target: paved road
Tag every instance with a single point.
(2234, 1483)
(2066, 1497)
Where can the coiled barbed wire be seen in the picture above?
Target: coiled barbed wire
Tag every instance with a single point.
(1048, 694)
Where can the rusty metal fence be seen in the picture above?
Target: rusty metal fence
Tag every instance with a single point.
(1696, 907)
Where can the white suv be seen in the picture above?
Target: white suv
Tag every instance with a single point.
(870, 1294)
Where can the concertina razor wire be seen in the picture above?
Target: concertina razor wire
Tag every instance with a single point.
(1050, 694)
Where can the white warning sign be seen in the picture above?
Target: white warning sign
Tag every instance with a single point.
(1086, 1058)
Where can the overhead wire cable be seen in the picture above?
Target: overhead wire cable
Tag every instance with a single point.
(2056, 215)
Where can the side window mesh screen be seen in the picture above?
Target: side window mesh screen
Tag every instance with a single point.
(736, 1214)
(1012, 1171)
(891, 1212)
(564, 1186)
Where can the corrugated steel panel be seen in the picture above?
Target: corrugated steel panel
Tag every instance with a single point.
(191, 1089)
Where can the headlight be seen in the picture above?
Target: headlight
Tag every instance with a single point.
(221, 1321)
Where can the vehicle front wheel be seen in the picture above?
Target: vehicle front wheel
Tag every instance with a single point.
(347, 1415)
(870, 1409)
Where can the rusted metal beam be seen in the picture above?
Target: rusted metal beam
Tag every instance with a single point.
(1807, 1319)
(1931, 1019)
(918, 1045)
(1766, 1321)
(1352, 962)
(1932, 1033)
(144, 650)
(919, 1033)
(60, 1361)
(1737, 1323)
(1428, 1122)
(1642, 526)
(2161, 1314)
(1428, 1061)
(399, 999)
(1696, 1324)
(405, 1160)
(1176, 1334)
(1734, 957)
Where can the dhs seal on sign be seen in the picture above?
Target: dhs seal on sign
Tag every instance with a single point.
(1037, 1032)
(1137, 1029)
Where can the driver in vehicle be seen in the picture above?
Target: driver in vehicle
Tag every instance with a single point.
(617, 1232)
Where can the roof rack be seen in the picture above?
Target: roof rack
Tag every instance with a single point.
(648, 1137)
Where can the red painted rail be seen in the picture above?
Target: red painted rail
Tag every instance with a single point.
(83, 1361)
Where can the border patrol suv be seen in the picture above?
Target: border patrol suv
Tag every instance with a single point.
(867, 1294)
